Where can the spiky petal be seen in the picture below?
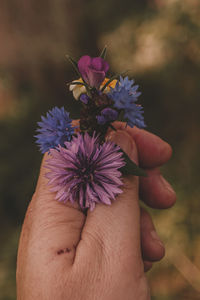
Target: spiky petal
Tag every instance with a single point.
(85, 171)
(54, 129)
(125, 96)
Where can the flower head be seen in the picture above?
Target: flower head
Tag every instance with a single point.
(107, 115)
(84, 98)
(124, 96)
(85, 171)
(93, 70)
(79, 89)
(54, 129)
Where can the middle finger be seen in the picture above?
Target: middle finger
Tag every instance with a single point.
(155, 191)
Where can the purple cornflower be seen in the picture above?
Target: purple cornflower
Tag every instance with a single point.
(85, 171)
(124, 96)
(93, 70)
(54, 129)
(107, 115)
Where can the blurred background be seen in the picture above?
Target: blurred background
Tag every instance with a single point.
(159, 42)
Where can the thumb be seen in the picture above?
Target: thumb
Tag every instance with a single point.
(51, 229)
(116, 228)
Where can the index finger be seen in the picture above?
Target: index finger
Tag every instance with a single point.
(152, 150)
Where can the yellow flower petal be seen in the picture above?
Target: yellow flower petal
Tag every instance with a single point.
(112, 84)
(78, 89)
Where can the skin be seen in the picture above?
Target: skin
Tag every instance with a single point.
(64, 254)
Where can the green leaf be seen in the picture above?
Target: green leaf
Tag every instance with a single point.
(103, 53)
(121, 116)
(131, 168)
(74, 64)
(112, 127)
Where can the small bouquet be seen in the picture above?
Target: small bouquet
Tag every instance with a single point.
(83, 166)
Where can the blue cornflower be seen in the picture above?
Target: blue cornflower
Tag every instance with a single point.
(124, 96)
(55, 129)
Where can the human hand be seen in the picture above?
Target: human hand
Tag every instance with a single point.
(65, 255)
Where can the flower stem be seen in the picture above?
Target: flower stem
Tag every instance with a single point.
(112, 127)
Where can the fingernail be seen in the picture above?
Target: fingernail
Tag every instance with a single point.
(122, 139)
(166, 185)
(156, 238)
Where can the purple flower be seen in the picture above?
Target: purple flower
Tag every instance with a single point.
(107, 115)
(93, 70)
(55, 129)
(85, 171)
(84, 98)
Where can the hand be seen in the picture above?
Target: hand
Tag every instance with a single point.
(65, 255)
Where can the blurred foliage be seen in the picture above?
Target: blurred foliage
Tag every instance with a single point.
(158, 41)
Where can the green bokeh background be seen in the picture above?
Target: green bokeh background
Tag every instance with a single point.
(158, 41)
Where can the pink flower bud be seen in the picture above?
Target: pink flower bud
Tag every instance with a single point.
(93, 70)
